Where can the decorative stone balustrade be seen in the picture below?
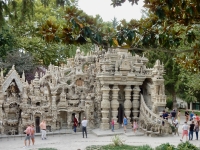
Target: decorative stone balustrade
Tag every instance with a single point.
(150, 122)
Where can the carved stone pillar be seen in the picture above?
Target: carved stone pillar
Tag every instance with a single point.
(136, 103)
(69, 120)
(115, 105)
(105, 105)
(127, 103)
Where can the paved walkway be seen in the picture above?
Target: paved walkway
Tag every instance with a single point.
(71, 141)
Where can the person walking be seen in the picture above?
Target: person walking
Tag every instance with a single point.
(75, 123)
(185, 131)
(112, 125)
(179, 116)
(84, 126)
(191, 130)
(43, 130)
(125, 122)
(173, 115)
(33, 134)
(191, 115)
(196, 129)
(27, 137)
(186, 115)
(135, 126)
(176, 125)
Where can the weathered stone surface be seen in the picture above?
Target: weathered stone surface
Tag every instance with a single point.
(101, 86)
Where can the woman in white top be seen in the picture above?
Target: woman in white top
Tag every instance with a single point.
(185, 129)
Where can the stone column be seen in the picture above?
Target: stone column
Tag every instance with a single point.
(128, 104)
(69, 120)
(136, 103)
(105, 105)
(115, 105)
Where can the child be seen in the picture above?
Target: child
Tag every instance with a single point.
(135, 126)
(112, 125)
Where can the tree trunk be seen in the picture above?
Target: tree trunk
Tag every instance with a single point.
(174, 101)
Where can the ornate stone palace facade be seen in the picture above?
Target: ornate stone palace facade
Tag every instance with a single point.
(101, 86)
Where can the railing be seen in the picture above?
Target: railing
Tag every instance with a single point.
(152, 123)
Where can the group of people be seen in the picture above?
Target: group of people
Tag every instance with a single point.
(124, 124)
(30, 130)
(83, 123)
(188, 128)
(30, 135)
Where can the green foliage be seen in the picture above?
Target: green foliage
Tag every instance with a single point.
(169, 103)
(122, 147)
(7, 42)
(165, 146)
(186, 146)
(144, 147)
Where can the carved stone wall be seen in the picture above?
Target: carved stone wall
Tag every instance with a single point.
(100, 86)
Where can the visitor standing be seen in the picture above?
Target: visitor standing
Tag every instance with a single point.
(125, 122)
(173, 115)
(186, 115)
(197, 119)
(179, 116)
(84, 126)
(75, 123)
(112, 125)
(28, 134)
(191, 130)
(176, 125)
(33, 134)
(191, 115)
(196, 129)
(135, 126)
(43, 130)
(165, 116)
(185, 131)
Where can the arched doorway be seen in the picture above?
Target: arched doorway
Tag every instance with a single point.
(37, 124)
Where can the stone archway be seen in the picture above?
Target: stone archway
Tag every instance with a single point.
(37, 124)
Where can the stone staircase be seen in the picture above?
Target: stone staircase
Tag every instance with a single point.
(151, 123)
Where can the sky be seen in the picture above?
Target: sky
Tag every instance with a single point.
(107, 12)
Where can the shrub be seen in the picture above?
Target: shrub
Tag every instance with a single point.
(165, 146)
(187, 146)
(117, 141)
(143, 147)
(169, 103)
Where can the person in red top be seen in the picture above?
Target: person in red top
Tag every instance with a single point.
(197, 119)
(75, 123)
(112, 125)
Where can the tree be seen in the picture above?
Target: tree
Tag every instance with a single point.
(22, 61)
(115, 23)
(7, 42)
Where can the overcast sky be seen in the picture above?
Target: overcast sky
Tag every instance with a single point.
(107, 12)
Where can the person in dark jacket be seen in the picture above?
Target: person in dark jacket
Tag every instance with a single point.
(75, 123)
